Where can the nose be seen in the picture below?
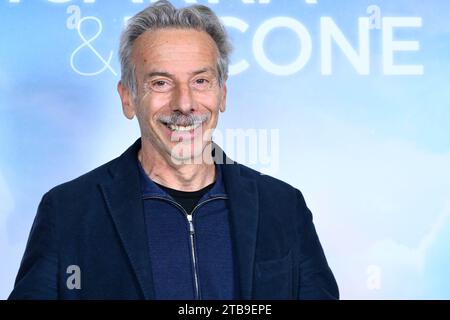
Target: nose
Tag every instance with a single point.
(182, 99)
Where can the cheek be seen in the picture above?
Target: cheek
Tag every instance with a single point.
(151, 106)
(210, 101)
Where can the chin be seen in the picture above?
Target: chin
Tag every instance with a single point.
(188, 153)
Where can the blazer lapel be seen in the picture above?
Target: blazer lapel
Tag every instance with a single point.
(123, 199)
(244, 214)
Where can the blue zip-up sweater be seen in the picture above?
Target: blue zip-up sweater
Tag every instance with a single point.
(191, 253)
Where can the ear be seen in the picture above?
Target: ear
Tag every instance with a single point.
(126, 97)
(223, 102)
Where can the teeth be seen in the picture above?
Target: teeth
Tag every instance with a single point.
(174, 127)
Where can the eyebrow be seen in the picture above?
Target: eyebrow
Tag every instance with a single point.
(169, 75)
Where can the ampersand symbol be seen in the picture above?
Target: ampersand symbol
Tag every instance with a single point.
(88, 43)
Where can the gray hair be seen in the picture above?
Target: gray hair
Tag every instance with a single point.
(163, 14)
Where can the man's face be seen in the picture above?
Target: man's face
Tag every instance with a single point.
(179, 97)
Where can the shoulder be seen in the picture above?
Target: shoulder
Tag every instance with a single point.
(86, 185)
(273, 189)
(82, 186)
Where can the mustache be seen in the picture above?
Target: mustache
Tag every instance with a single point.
(181, 119)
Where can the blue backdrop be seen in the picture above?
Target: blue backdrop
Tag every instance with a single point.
(354, 95)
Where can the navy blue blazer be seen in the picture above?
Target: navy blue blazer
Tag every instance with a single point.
(96, 223)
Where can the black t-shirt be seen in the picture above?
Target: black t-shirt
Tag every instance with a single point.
(187, 199)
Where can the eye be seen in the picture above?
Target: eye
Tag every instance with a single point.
(160, 85)
(202, 83)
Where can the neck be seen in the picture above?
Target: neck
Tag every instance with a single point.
(184, 177)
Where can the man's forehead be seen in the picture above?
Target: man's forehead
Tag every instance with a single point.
(173, 68)
(189, 40)
(160, 71)
(169, 52)
(167, 73)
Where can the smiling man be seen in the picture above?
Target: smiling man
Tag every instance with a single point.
(173, 217)
(177, 99)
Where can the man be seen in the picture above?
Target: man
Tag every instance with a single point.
(173, 217)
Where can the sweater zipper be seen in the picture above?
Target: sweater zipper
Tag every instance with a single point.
(190, 219)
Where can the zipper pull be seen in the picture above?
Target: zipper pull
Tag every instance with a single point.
(191, 224)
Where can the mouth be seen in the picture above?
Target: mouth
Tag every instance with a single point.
(181, 128)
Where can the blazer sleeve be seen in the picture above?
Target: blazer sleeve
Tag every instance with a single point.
(316, 279)
(37, 276)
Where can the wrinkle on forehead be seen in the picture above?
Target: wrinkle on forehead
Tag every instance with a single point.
(177, 46)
